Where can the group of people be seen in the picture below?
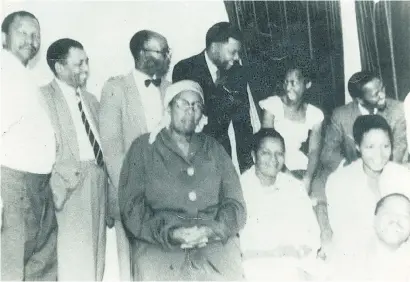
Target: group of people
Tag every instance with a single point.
(200, 180)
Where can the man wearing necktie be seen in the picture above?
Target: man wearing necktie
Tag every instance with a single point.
(339, 148)
(131, 105)
(229, 105)
(78, 179)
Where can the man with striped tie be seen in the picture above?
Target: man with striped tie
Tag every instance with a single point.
(78, 178)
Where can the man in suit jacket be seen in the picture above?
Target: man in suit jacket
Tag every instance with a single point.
(131, 105)
(369, 97)
(78, 178)
(29, 226)
(225, 87)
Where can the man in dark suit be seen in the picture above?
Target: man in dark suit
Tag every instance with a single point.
(225, 87)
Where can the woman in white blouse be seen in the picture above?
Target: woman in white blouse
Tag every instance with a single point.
(353, 192)
(296, 120)
(281, 237)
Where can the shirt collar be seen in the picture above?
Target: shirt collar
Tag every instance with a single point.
(365, 111)
(65, 88)
(211, 66)
(10, 59)
(140, 76)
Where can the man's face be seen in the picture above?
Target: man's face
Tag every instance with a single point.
(374, 96)
(157, 56)
(392, 223)
(75, 69)
(23, 38)
(227, 53)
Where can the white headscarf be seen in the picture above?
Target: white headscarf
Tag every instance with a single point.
(170, 93)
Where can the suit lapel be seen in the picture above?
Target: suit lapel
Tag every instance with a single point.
(62, 112)
(134, 102)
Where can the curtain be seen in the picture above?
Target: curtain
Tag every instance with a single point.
(384, 37)
(278, 31)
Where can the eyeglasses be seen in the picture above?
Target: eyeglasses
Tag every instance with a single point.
(185, 105)
(164, 53)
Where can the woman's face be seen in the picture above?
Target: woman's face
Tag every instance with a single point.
(270, 157)
(375, 149)
(186, 111)
(295, 85)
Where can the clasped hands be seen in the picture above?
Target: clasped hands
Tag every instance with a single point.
(192, 237)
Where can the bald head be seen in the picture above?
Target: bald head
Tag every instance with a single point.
(392, 220)
(395, 201)
(151, 52)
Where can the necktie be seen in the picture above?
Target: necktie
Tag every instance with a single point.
(156, 82)
(96, 147)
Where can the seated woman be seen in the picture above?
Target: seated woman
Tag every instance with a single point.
(353, 192)
(297, 121)
(180, 197)
(281, 236)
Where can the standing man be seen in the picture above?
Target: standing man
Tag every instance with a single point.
(131, 105)
(339, 148)
(78, 179)
(227, 101)
(29, 229)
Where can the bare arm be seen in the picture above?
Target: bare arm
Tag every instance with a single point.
(315, 146)
(268, 120)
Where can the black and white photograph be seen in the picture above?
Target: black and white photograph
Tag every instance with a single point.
(205, 140)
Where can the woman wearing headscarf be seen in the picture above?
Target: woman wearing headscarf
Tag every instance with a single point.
(281, 236)
(180, 197)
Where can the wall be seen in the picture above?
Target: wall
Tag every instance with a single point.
(105, 28)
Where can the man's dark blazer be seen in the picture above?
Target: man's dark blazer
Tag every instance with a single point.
(223, 104)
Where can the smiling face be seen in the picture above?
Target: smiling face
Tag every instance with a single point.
(392, 222)
(23, 38)
(295, 85)
(270, 157)
(226, 54)
(375, 149)
(374, 95)
(74, 71)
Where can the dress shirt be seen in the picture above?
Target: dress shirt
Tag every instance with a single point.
(150, 98)
(27, 135)
(256, 124)
(84, 145)
(407, 115)
(365, 111)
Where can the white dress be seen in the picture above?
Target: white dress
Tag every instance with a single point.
(351, 205)
(294, 133)
(277, 216)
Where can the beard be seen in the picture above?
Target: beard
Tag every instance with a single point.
(158, 67)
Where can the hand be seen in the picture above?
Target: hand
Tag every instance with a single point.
(109, 221)
(326, 239)
(189, 237)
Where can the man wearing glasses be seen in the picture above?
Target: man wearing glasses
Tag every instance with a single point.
(131, 105)
(369, 97)
(231, 112)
